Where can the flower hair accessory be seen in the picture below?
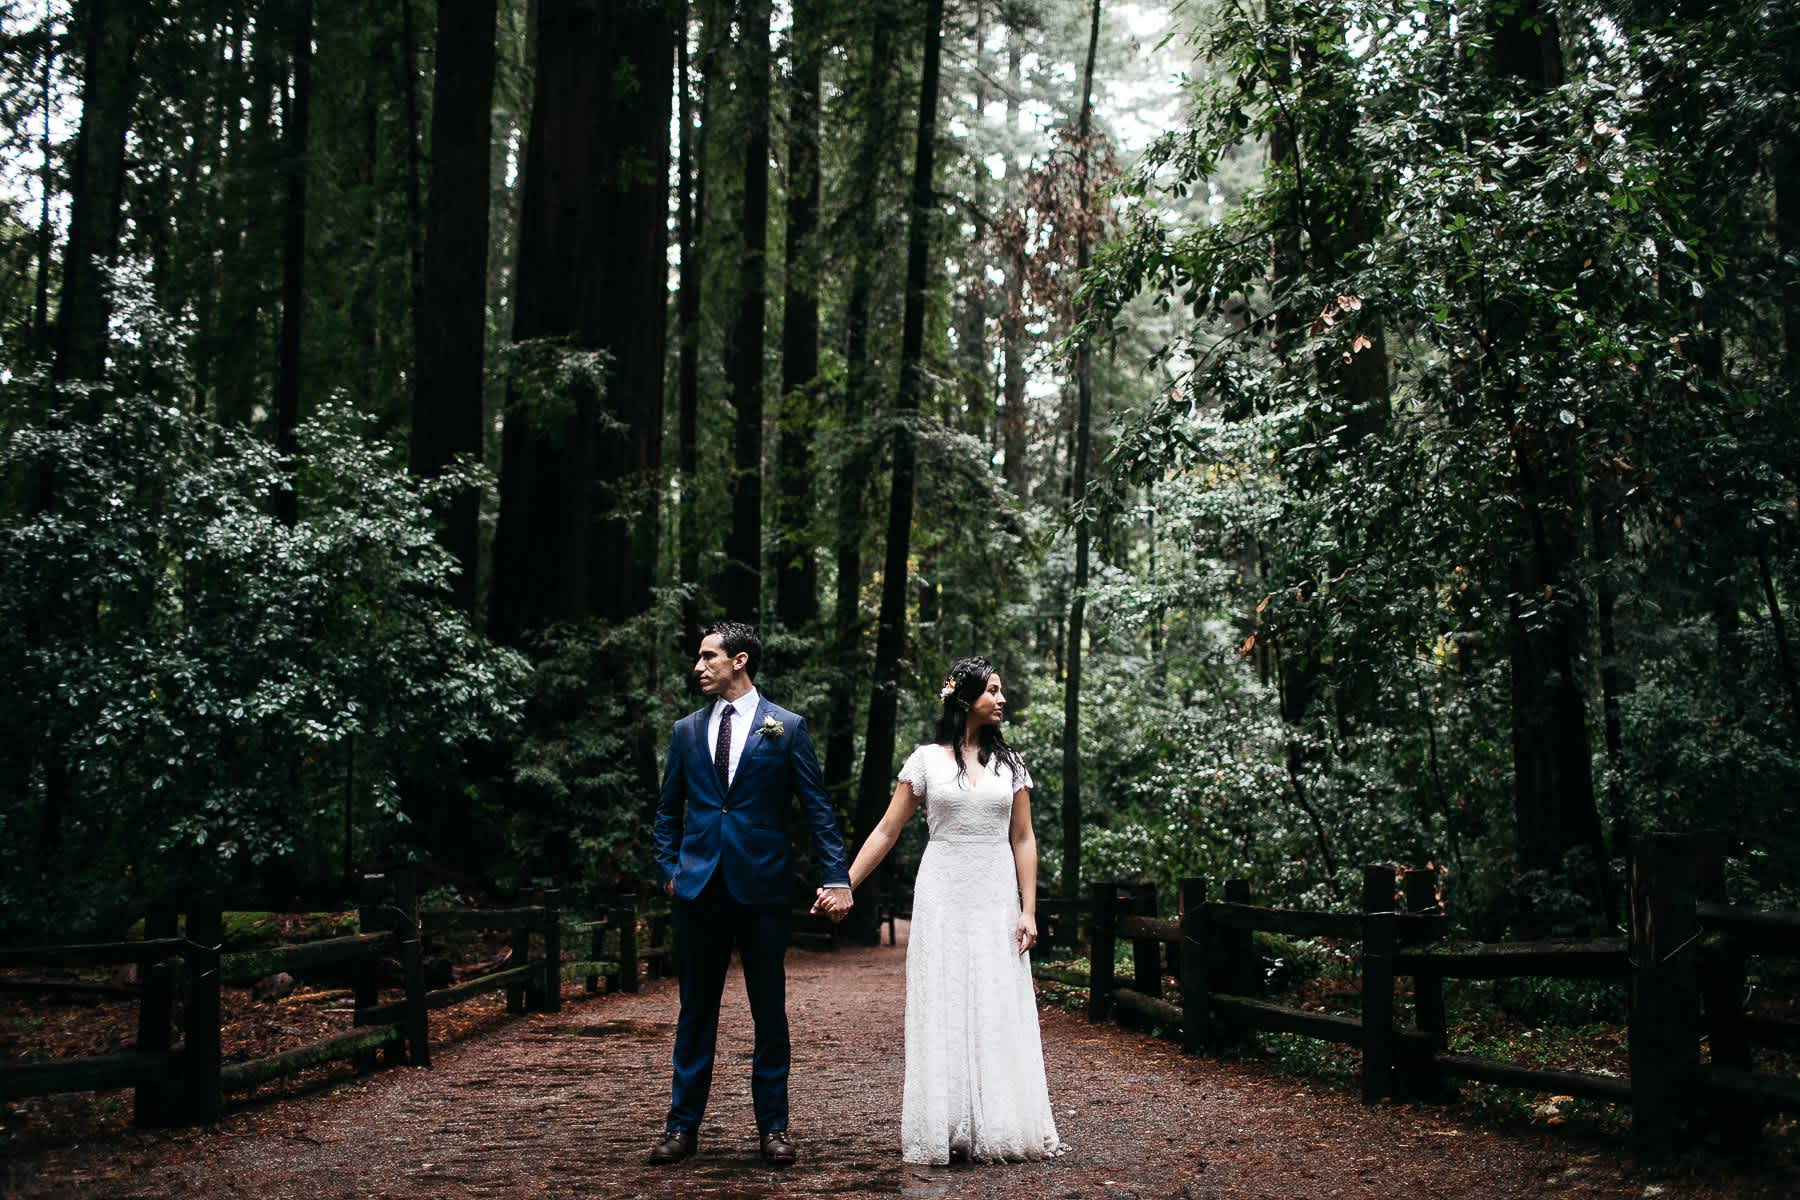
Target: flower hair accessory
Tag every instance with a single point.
(948, 690)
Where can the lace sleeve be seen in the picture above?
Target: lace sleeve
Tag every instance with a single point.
(912, 772)
(1023, 778)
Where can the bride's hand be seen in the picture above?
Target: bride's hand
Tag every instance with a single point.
(1027, 932)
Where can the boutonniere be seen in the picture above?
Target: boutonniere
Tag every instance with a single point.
(771, 728)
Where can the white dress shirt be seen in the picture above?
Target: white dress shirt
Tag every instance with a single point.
(743, 709)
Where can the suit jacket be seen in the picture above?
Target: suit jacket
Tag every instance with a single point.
(701, 828)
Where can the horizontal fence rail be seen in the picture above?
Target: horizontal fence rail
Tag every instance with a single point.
(183, 951)
(1684, 959)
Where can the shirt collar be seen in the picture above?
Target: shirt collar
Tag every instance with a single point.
(743, 706)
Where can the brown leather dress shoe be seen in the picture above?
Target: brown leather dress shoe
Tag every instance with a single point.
(672, 1147)
(778, 1149)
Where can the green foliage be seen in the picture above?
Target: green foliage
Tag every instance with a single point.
(197, 686)
(1577, 335)
(584, 771)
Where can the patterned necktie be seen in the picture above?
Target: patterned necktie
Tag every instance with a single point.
(722, 752)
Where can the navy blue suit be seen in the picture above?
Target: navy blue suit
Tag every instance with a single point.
(727, 853)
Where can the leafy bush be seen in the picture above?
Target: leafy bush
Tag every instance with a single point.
(198, 689)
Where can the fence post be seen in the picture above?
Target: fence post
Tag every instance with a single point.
(1665, 989)
(1419, 1074)
(1378, 982)
(1724, 982)
(1196, 1002)
(1235, 973)
(410, 935)
(596, 950)
(152, 1104)
(1723, 988)
(1146, 953)
(662, 929)
(1102, 944)
(519, 995)
(552, 950)
(205, 932)
(366, 985)
(627, 916)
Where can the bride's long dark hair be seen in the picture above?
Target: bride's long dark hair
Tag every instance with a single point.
(967, 680)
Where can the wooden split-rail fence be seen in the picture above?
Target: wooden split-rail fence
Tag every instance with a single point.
(1684, 962)
(183, 955)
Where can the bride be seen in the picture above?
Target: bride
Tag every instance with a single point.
(974, 1061)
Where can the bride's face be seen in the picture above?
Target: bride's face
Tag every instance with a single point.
(989, 708)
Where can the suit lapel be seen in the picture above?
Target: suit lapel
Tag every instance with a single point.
(701, 762)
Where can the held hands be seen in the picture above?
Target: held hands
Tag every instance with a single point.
(1026, 934)
(834, 902)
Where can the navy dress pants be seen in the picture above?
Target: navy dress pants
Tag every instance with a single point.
(706, 930)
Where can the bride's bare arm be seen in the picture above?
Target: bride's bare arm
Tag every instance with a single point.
(887, 831)
(1025, 862)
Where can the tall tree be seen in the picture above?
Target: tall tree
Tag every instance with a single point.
(742, 584)
(46, 239)
(691, 218)
(796, 554)
(449, 330)
(1084, 386)
(582, 437)
(890, 637)
(293, 247)
(1554, 804)
(109, 32)
(852, 476)
(1012, 317)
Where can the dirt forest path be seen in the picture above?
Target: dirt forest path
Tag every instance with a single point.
(567, 1104)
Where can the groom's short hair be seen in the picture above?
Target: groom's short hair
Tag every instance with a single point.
(737, 638)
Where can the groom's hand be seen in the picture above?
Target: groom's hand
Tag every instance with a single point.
(834, 902)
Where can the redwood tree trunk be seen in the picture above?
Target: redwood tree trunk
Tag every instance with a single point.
(890, 637)
(852, 509)
(1084, 389)
(96, 184)
(293, 250)
(1554, 804)
(796, 552)
(40, 323)
(691, 220)
(744, 347)
(591, 276)
(1012, 321)
(450, 328)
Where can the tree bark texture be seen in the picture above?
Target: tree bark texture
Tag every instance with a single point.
(796, 549)
(691, 212)
(46, 234)
(109, 30)
(1084, 406)
(852, 477)
(742, 590)
(1554, 803)
(576, 532)
(890, 637)
(1012, 320)
(450, 328)
(293, 250)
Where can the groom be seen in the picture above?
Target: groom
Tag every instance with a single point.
(733, 767)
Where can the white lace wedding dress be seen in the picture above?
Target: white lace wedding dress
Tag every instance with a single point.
(974, 1057)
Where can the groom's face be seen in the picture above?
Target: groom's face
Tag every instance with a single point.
(715, 669)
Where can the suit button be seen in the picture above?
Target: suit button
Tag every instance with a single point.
(724, 808)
